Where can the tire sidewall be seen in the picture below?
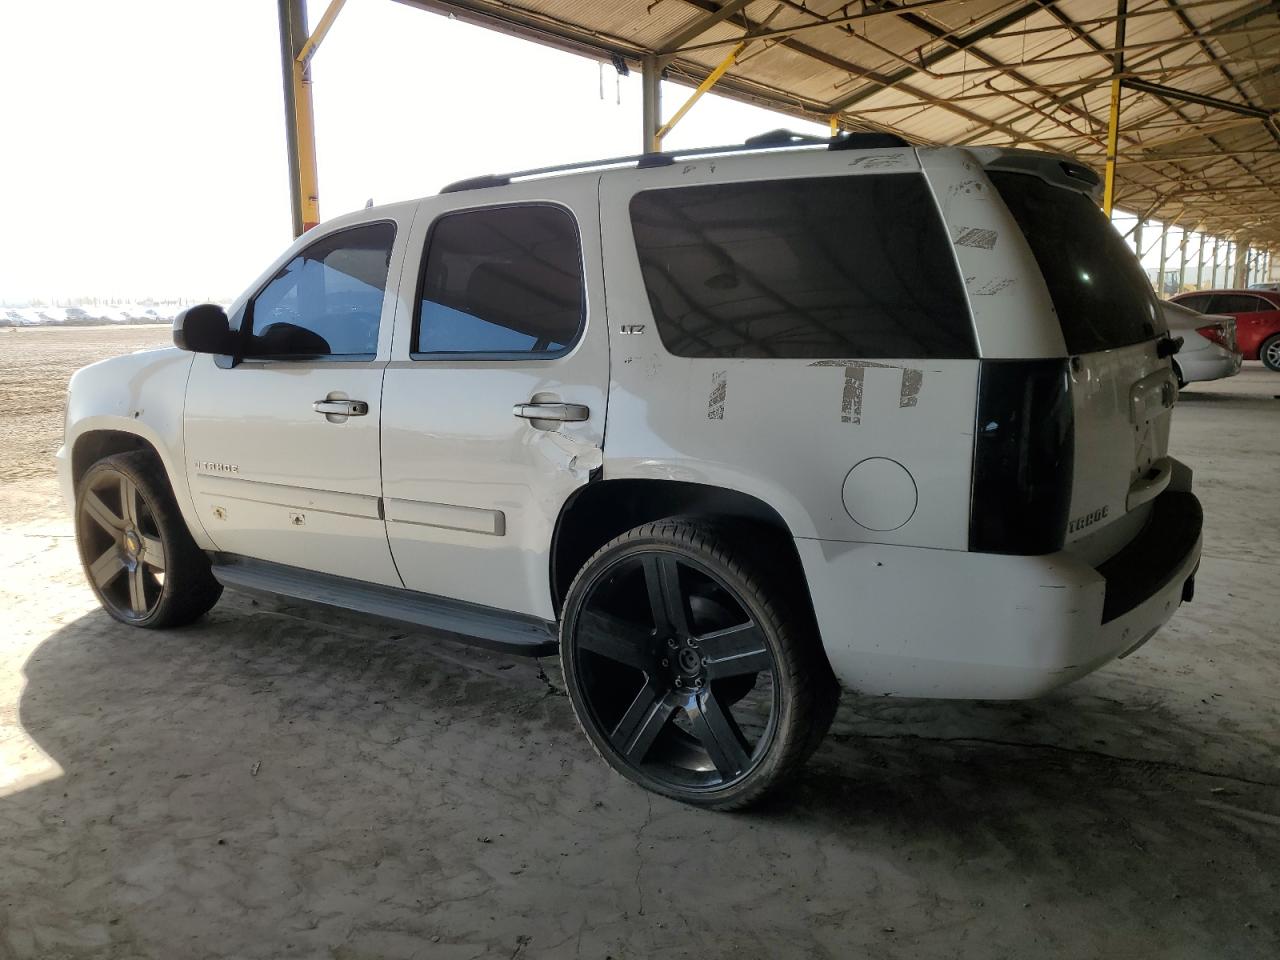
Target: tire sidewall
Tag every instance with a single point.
(772, 625)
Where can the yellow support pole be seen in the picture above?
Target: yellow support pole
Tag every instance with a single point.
(1113, 121)
(835, 124)
(703, 87)
(322, 29)
(1113, 136)
(305, 125)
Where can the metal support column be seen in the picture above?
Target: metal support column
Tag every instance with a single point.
(1182, 260)
(651, 102)
(1200, 262)
(1240, 278)
(1164, 259)
(1113, 119)
(1213, 274)
(299, 119)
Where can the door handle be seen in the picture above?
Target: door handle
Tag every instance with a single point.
(341, 408)
(560, 412)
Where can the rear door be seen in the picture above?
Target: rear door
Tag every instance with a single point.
(494, 404)
(284, 442)
(1255, 318)
(1122, 390)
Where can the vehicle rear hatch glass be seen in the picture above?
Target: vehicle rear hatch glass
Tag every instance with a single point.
(1122, 390)
(1103, 298)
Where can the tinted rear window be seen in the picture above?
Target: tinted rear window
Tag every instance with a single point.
(1238, 303)
(1102, 297)
(501, 280)
(834, 267)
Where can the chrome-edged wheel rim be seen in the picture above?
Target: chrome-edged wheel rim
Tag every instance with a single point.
(676, 677)
(120, 543)
(1271, 355)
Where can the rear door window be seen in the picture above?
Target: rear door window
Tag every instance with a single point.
(1199, 303)
(1238, 303)
(1103, 298)
(501, 281)
(818, 268)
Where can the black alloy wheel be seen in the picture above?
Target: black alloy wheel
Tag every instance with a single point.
(685, 672)
(137, 553)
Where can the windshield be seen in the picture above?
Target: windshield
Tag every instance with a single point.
(1102, 296)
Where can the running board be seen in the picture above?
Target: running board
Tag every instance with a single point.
(468, 622)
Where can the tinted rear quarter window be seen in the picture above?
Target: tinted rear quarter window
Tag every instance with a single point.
(501, 280)
(1238, 303)
(1101, 295)
(832, 267)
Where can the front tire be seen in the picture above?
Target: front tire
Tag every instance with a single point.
(137, 553)
(1269, 353)
(693, 674)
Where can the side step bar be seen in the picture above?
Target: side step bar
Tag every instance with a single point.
(469, 622)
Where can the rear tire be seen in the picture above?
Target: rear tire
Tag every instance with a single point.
(1269, 353)
(137, 553)
(693, 673)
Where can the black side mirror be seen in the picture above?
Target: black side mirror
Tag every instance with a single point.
(203, 328)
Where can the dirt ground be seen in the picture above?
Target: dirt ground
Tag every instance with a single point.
(273, 783)
(35, 364)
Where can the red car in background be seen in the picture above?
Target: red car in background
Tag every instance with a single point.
(1257, 314)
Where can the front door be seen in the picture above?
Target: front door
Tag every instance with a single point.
(282, 442)
(494, 405)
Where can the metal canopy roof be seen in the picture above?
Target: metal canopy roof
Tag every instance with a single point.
(1198, 131)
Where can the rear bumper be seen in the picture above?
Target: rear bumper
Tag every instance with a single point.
(903, 621)
(1211, 363)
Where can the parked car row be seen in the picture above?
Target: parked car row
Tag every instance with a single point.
(85, 316)
(1257, 316)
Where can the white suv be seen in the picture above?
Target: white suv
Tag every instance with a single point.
(730, 428)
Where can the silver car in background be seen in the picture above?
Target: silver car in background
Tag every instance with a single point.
(1209, 350)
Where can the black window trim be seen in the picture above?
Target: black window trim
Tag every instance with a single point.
(246, 318)
(471, 356)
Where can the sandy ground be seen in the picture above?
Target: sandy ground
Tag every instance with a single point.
(35, 364)
(271, 783)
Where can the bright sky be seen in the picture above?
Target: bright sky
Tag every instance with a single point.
(142, 144)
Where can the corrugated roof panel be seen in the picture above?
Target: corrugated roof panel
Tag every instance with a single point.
(942, 72)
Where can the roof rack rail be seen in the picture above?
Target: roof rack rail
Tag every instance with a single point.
(773, 140)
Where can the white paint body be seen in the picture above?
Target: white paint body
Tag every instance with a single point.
(441, 490)
(1200, 358)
